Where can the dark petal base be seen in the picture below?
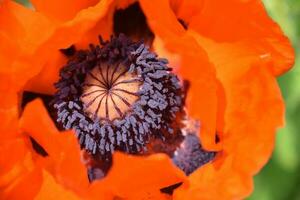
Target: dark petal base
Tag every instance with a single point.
(170, 189)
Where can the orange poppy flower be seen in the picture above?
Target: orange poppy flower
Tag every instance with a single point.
(229, 52)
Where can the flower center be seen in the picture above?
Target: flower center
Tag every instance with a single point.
(109, 91)
(119, 96)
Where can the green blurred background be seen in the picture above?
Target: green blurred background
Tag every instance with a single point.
(280, 178)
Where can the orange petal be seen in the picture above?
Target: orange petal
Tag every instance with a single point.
(9, 24)
(221, 108)
(24, 26)
(9, 49)
(72, 176)
(245, 66)
(75, 31)
(242, 22)
(62, 148)
(151, 195)
(17, 169)
(201, 100)
(9, 86)
(186, 9)
(248, 140)
(150, 174)
(256, 138)
(194, 67)
(44, 81)
(9, 114)
(62, 10)
(36, 122)
(210, 182)
(51, 190)
(13, 152)
(248, 137)
(162, 25)
(20, 34)
(20, 188)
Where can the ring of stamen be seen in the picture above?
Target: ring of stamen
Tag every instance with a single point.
(117, 96)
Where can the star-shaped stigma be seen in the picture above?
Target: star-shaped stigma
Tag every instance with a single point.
(109, 91)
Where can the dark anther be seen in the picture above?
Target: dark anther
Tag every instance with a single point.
(217, 138)
(98, 172)
(170, 189)
(38, 148)
(70, 51)
(183, 23)
(132, 22)
(95, 174)
(190, 155)
(97, 167)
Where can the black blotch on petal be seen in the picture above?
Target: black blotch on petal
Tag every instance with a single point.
(38, 148)
(170, 189)
(133, 23)
(30, 96)
(183, 23)
(217, 139)
(70, 51)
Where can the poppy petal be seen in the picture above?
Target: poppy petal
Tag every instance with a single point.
(62, 148)
(62, 10)
(78, 31)
(36, 122)
(151, 173)
(17, 169)
(230, 66)
(215, 182)
(247, 146)
(20, 33)
(202, 96)
(13, 151)
(186, 9)
(9, 113)
(51, 190)
(25, 26)
(243, 22)
(248, 138)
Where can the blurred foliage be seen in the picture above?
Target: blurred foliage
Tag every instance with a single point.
(24, 2)
(280, 178)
